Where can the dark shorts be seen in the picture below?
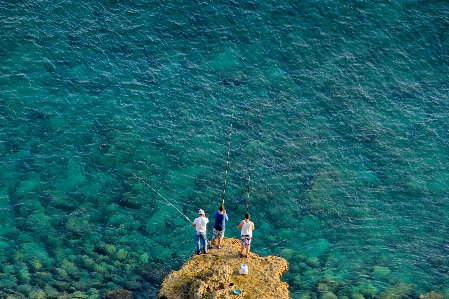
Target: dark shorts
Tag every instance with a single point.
(246, 240)
(218, 234)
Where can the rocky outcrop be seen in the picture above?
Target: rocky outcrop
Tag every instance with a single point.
(215, 275)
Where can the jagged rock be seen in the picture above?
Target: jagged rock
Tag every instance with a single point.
(215, 275)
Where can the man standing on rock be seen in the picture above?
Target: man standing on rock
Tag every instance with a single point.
(219, 227)
(247, 233)
(200, 224)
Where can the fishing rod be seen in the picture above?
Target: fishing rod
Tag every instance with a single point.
(227, 159)
(249, 180)
(187, 218)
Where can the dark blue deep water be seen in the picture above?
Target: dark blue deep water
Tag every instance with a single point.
(341, 107)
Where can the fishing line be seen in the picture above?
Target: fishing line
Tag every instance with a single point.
(163, 197)
(249, 180)
(227, 159)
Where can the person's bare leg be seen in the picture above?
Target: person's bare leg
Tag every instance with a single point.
(219, 242)
(241, 250)
(212, 242)
(247, 250)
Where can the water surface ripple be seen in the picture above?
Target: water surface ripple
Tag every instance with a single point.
(343, 105)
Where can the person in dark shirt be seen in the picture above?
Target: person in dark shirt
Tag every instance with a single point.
(219, 227)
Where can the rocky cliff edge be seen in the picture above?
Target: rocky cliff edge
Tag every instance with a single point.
(215, 275)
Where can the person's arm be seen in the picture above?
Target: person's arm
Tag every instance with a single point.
(226, 216)
(252, 226)
(240, 225)
(193, 224)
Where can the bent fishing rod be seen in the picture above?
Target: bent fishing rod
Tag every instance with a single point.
(227, 159)
(187, 218)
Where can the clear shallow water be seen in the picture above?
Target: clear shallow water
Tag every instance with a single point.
(343, 104)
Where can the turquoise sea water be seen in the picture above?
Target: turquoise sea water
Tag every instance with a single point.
(343, 105)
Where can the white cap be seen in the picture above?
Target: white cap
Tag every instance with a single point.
(201, 212)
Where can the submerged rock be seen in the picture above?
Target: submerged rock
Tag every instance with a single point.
(118, 294)
(216, 275)
(401, 290)
(152, 272)
(432, 295)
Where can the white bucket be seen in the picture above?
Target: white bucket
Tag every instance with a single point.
(243, 269)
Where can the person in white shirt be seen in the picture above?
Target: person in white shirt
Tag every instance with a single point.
(247, 233)
(200, 224)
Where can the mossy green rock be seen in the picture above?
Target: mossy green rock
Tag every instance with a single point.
(322, 287)
(316, 248)
(7, 268)
(51, 292)
(433, 295)
(380, 272)
(312, 262)
(287, 253)
(24, 275)
(328, 285)
(61, 286)
(307, 295)
(312, 275)
(79, 224)
(25, 289)
(270, 238)
(7, 283)
(285, 234)
(328, 295)
(367, 290)
(88, 263)
(78, 295)
(62, 274)
(299, 258)
(357, 296)
(401, 290)
(144, 258)
(109, 248)
(122, 254)
(38, 294)
(3, 245)
(70, 269)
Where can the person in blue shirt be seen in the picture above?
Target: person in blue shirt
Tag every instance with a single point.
(219, 227)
